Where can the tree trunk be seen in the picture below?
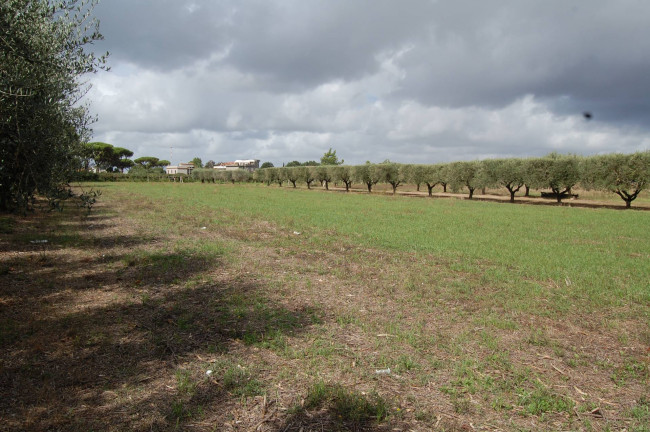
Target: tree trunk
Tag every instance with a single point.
(512, 196)
(418, 185)
(471, 192)
(293, 182)
(627, 197)
(369, 187)
(430, 188)
(527, 191)
(444, 187)
(327, 185)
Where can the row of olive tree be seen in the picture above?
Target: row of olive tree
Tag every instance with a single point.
(624, 174)
(211, 175)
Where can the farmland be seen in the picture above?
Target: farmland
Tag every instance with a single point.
(245, 307)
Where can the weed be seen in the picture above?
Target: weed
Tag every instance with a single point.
(631, 369)
(462, 405)
(501, 404)
(184, 382)
(538, 338)
(641, 411)
(405, 363)
(349, 406)
(239, 381)
(542, 400)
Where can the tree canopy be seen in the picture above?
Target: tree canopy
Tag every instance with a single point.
(150, 162)
(109, 158)
(330, 158)
(43, 53)
(624, 174)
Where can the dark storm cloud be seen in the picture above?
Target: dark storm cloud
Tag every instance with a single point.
(593, 53)
(163, 34)
(379, 79)
(309, 43)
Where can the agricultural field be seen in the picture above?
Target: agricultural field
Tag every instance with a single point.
(252, 308)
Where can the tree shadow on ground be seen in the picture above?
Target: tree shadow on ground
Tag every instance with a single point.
(96, 339)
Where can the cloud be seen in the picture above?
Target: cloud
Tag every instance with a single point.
(434, 81)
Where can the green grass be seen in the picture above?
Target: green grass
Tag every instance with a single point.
(541, 400)
(475, 307)
(347, 405)
(598, 254)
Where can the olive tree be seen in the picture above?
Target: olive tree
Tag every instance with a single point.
(557, 172)
(343, 173)
(367, 174)
(43, 54)
(293, 174)
(240, 176)
(415, 174)
(465, 174)
(198, 174)
(391, 173)
(323, 175)
(267, 175)
(508, 173)
(626, 175)
(224, 176)
(306, 174)
(432, 176)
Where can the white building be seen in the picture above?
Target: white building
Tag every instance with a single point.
(181, 168)
(247, 164)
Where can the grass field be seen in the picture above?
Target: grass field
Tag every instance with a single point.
(233, 307)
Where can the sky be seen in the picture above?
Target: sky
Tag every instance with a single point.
(418, 81)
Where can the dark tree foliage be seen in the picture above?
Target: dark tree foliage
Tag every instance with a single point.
(149, 162)
(43, 54)
(109, 158)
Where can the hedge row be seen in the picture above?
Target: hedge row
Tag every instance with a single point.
(624, 174)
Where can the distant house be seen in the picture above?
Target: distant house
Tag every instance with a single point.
(226, 166)
(247, 164)
(181, 168)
